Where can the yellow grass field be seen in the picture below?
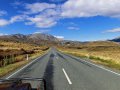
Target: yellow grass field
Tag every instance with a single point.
(100, 52)
(14, 55)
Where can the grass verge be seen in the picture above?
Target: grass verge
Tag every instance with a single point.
(11, 67)
(5, 70)
(106, 62)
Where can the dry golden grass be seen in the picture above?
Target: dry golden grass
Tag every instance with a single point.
(5, 70)
(9, 49)
(106, 53)
(11, 67)
(13, 45)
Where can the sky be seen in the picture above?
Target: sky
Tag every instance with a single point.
(81, 20)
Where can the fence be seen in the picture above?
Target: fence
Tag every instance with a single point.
(10, 59)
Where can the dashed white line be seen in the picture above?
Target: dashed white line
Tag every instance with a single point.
(66, 75)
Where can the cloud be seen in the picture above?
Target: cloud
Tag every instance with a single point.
(3, 22)
(46, 15)
(18, 18)
(41, 21)
(2, 12)
(113, 30)
(2, 34)
(73, 28)
(59, 37)
(49, 14)
(46, 19)
(42, 15)
(16, 4)
(57, 1)
(42, 31)
(37, 7)
(73, 24)
(90, 8)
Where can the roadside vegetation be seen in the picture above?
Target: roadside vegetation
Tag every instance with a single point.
(14, 54)
(105, 53)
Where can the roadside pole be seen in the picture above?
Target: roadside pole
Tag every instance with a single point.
(27, 57)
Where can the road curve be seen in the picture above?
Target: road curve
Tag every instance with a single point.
(66, 72)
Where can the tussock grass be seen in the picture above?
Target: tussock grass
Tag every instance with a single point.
(7, 69)
(105, 53)
(11, 67)
(13, 55)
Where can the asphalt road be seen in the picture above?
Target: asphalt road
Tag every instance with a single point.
(66, 72)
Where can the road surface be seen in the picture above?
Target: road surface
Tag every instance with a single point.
(66, 72)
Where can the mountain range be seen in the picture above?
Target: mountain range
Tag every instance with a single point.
(38, 38)
(42, 39)
(116, 39)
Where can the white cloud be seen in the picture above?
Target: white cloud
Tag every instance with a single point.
(2, 34)
(44, 15)
(16, 3)
(46, 19)
(3, 22)
(59, 37)
(18, 18)
(49, 14)
(41, 21)
(73, 28)
(2, 12)
(57, 1)
(38, 7)
(113, 30)
(73, 24)
(42, 31)
(89, 8)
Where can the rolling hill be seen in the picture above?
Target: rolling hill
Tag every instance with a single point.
(37, 38)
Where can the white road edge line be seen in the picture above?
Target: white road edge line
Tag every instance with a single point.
(22, 68)
(69, 81)
(118, 74)
(25, 66)
(103, 68)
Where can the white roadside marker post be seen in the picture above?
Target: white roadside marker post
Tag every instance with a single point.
(27, 57)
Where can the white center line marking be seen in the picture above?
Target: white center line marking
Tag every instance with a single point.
(69, 81)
